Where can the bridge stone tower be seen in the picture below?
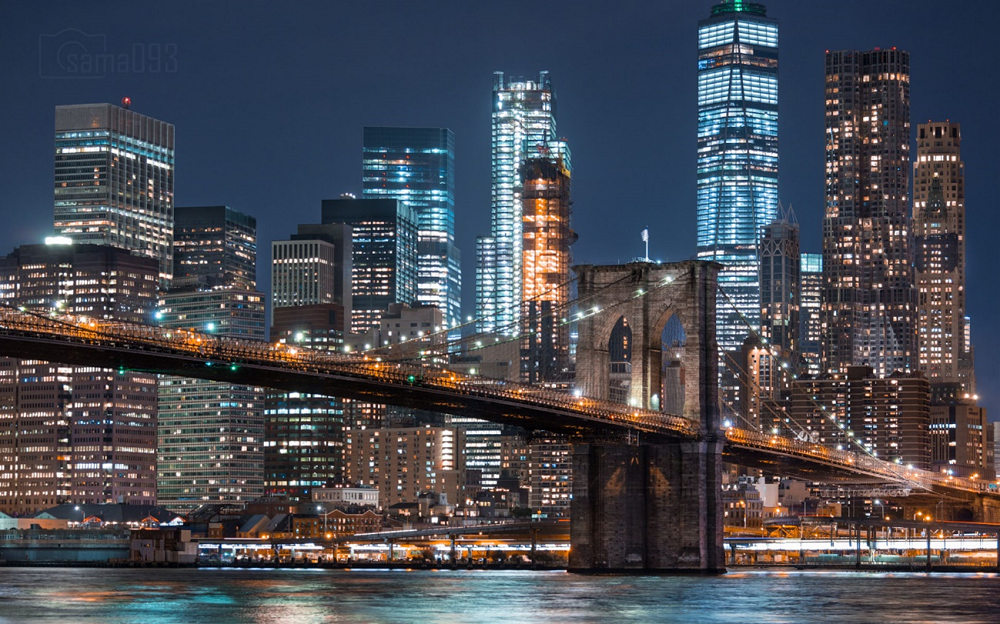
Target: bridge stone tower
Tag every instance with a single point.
(650, 506)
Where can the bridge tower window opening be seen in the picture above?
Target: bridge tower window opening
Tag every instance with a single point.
(620, 362)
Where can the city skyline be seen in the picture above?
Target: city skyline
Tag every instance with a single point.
(602, 240)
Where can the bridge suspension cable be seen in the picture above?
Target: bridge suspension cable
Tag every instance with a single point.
(903, 473)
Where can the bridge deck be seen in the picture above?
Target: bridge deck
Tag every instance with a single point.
(91, 342)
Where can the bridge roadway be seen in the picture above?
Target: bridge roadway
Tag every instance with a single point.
(84, 341)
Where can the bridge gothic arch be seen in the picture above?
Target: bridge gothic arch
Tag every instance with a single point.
(650, 295)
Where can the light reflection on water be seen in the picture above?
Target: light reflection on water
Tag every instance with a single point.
(155, 596)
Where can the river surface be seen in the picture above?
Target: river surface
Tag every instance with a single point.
(155, 596)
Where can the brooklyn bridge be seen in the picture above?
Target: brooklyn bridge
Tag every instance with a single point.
(647, 484)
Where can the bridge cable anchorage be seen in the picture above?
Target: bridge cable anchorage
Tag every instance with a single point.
(562, 315)
(899, 472)
(192, 345)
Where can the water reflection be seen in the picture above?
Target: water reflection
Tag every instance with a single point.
(280, 596)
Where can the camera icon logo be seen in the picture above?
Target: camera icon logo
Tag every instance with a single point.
(72, 53)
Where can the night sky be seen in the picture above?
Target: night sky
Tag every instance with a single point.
(269, 101)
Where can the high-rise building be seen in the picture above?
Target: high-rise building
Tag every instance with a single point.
(545, 274)
(737, 156)
(311, 307)
(889, 416)
(313, 267)
(72, 433)
(217, 244)
(114, 180)
(869, 302)
(810, 313)
(550, 475)
(524, 123)
(779, 286)
(405, 462)
(996, 447)
(384, 257)
(211, 434)
(961, 436)
(764, 360)
(939, 245)
(417, 166)
(305, 432)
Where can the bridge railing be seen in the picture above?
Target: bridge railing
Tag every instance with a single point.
(235, 351)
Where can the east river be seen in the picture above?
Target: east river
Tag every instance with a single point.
(155, 596)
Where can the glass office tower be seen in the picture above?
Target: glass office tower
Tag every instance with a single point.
(384, 257)
(737, 155)
(114, 180)
(216, 243)
(211, 434)
(524, 123)
(810, 312)
(417, 166)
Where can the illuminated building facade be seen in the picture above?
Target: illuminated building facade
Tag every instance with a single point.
(550, 475)
(215, 243)
(70, 433)
(810, 312)
(305, 432)
(417, 166)
(961, 436)
(211, 434)
(869, 302)
(779, 286)
(404, 462)
(114, 180)
(313, 267)
(737, 192)
(545, 213)
(384, 257)
(524, 123)
(889, 416)
(939, 231)
(766, 362)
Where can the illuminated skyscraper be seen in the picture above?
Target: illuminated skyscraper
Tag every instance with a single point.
(417, 166)
(211, 434)
(765, 377)
(216, 243)
(384, 257)
(545, 278)
(737, 155)
(810, 312)
(313, 267)
(779, 286)
(74, 433)
(869, 302)
(114, 180)
(524, 123)
(304, 432)
(939, 230)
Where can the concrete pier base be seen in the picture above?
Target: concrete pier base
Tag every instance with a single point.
(649, 508)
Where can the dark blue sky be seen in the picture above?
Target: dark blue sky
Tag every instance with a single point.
(269, 100)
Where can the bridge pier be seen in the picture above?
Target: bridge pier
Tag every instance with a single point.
(648, 508)
(655, 506)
